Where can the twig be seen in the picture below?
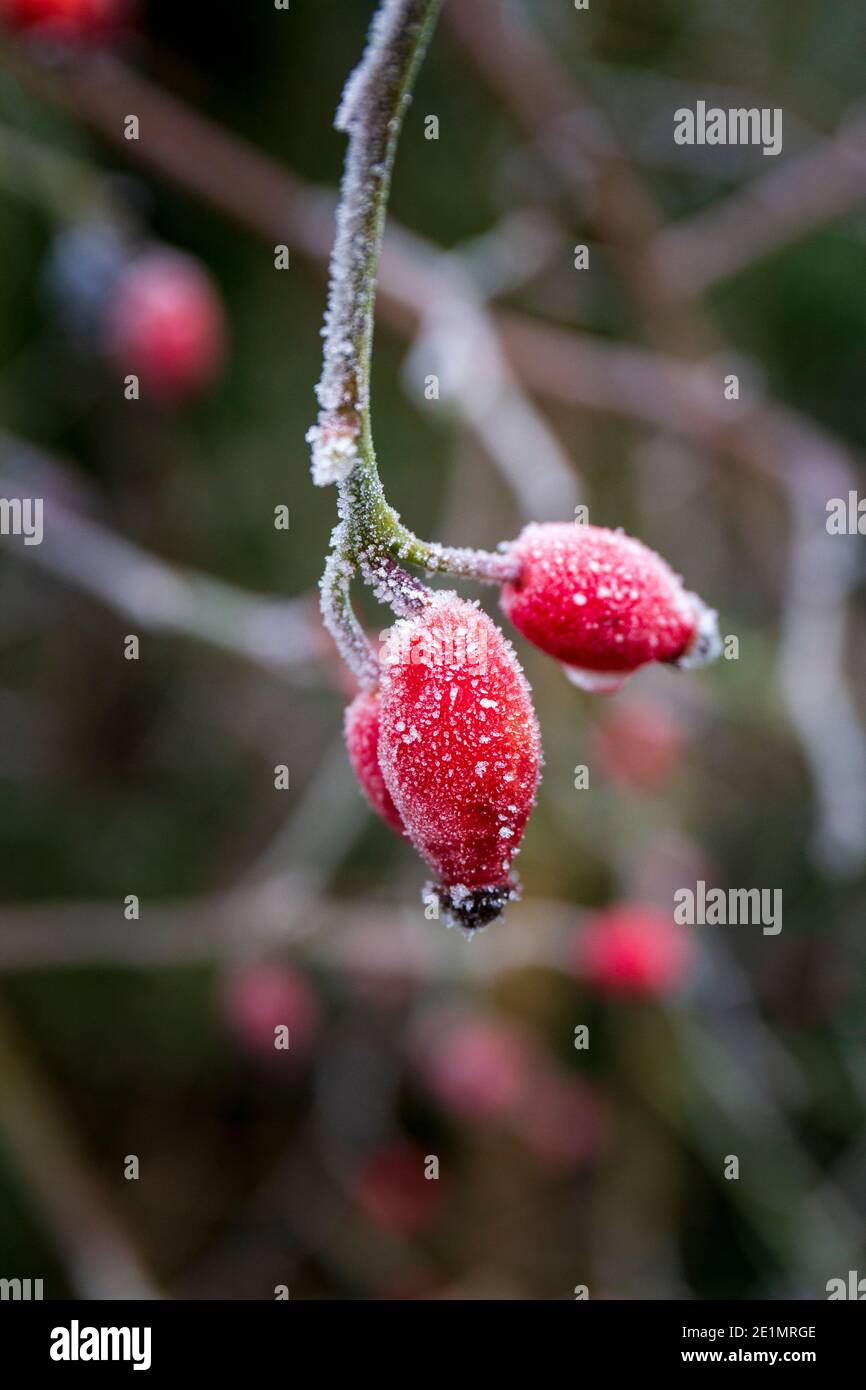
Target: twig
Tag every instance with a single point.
(370, 535)
(258, 194)
(377, 935)
(806, 192)
(822, 572)
(282, 636)
(200, 156)
(576, 140)
(458, 338)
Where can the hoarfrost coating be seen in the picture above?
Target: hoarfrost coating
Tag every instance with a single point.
(460, 752)
(370, 113)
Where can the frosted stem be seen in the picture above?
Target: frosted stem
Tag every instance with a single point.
(371, 535)
(352, 642)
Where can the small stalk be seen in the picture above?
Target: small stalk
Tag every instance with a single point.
(371, 538)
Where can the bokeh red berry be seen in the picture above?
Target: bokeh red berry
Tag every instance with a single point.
(165, 323)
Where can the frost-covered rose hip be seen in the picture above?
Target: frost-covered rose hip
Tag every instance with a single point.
(459, 750)
(165, 323)
(362, 742)
(603, 604)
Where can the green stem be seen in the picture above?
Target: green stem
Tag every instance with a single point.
(371, 113)
(352, 642)
(371, 536)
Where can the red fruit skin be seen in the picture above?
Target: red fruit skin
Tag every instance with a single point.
(596, 599)
(634, 949)
(65, 19)
(361, 727)
(460, 751)
(258, 998)
(165, 323)
(477, 1068)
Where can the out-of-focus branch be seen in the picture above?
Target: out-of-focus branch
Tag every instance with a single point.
(98, 1256)
(66, 186)
(822, 571)
(606, 188)
(805, 192)
(671, 265)
(458, 341)
(257, 193)
(283, 636)
(578, 143)
(659, 391)
(375, 936)
(658, 263)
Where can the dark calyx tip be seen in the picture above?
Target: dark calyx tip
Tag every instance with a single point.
(471, 908)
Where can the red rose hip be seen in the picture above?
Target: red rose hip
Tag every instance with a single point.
(603, 604)
(260, 998)
(362, 741)
(165, 323)
(633, 949)
(459, 750)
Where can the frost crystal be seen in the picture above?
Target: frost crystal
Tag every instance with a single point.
(342, 390)
(603, 604)
(450, 674)
(335, 449)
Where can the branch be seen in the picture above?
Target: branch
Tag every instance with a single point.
(201, 157)
(575, 139)
(282, 636)
(275, 913)
(371, 114)
(809, 189)
(256, 193)
(370, 534)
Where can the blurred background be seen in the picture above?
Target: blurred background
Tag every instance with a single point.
(440, 1125)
